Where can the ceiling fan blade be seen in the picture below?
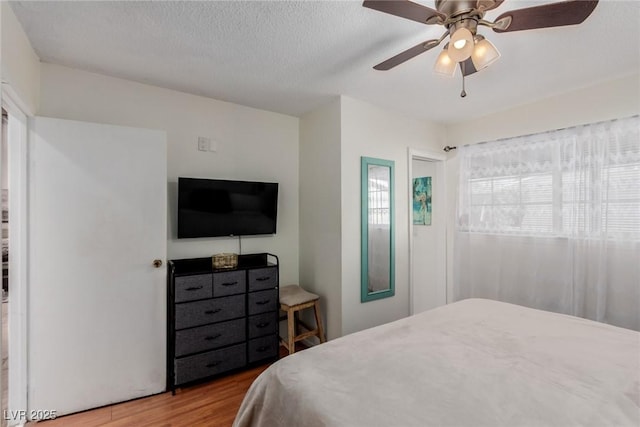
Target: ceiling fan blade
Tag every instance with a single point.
(406, 9)
(406, 55)
(488, 4)
(545, 16)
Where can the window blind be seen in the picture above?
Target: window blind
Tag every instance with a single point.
(579, 181)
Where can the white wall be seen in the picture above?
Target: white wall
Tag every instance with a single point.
(373, 132)
(617, 98)
(20, 65)
(252, 145)
(320, 211)
(603, 101)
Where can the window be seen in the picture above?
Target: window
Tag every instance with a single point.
(579, 181)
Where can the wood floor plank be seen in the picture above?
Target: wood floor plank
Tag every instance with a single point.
(211, 404)
(96, 417)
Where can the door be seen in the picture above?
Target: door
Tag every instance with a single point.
(97, 304)
(428, 241)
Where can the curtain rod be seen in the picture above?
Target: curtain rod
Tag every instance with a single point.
(449, 148)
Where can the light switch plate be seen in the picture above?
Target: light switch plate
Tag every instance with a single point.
(203, 143)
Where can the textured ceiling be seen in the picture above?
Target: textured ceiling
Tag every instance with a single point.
(292, 56)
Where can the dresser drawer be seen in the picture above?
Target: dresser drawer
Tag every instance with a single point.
(263, 348)
(209, 337)
(229, 283)
(198, 313)
(263, 324)
(263, 301)
(263, 278)
(189, 288)
(211, 363)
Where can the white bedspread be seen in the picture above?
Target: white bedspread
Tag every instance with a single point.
(472, 363)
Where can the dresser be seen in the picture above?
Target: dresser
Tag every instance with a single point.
(220, 321)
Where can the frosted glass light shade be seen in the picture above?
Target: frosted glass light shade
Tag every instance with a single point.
(461, 45)
(445, 65)
(484, 54)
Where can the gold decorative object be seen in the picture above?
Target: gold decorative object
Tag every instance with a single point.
(225, 260)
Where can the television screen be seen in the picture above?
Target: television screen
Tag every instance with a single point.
(214, 207)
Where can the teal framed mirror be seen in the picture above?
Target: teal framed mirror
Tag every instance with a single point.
(377, 233)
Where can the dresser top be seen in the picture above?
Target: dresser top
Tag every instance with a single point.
(204, 265)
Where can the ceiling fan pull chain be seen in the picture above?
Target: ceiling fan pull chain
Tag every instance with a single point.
(463, 93)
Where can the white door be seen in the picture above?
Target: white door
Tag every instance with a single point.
(428, 242)
(97, 304)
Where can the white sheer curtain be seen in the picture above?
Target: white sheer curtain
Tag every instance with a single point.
(552, 221)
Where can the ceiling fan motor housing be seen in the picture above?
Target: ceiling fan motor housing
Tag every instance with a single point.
(470, 24)
(455, 7)
(460, 13)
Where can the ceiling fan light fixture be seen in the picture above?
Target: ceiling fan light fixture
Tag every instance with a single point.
(445, 65)
(484, 53)
(462, 18)
(461, 45)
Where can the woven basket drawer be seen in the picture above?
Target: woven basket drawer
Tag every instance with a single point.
(263, 348)
(198, 313)
(211, 363)
(263, 278)
(263, 301)
(209, 337)
(189, 288)
(263, 324)
(229, 283)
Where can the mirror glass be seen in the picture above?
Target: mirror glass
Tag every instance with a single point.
(377, 229)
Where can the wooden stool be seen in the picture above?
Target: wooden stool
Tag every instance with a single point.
(293, 299)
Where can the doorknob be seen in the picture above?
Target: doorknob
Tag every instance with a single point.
(157, 263)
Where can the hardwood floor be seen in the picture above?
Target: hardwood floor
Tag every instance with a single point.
(211, 404)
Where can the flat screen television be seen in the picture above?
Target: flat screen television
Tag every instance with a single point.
(215, 207)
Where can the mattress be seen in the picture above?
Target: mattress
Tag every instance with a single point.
(471, 363)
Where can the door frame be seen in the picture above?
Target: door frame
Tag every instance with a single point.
(17, 140)
(429, 156)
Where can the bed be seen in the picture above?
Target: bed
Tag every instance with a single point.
(471, 363)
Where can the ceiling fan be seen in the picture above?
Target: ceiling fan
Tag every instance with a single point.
(461, 19)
